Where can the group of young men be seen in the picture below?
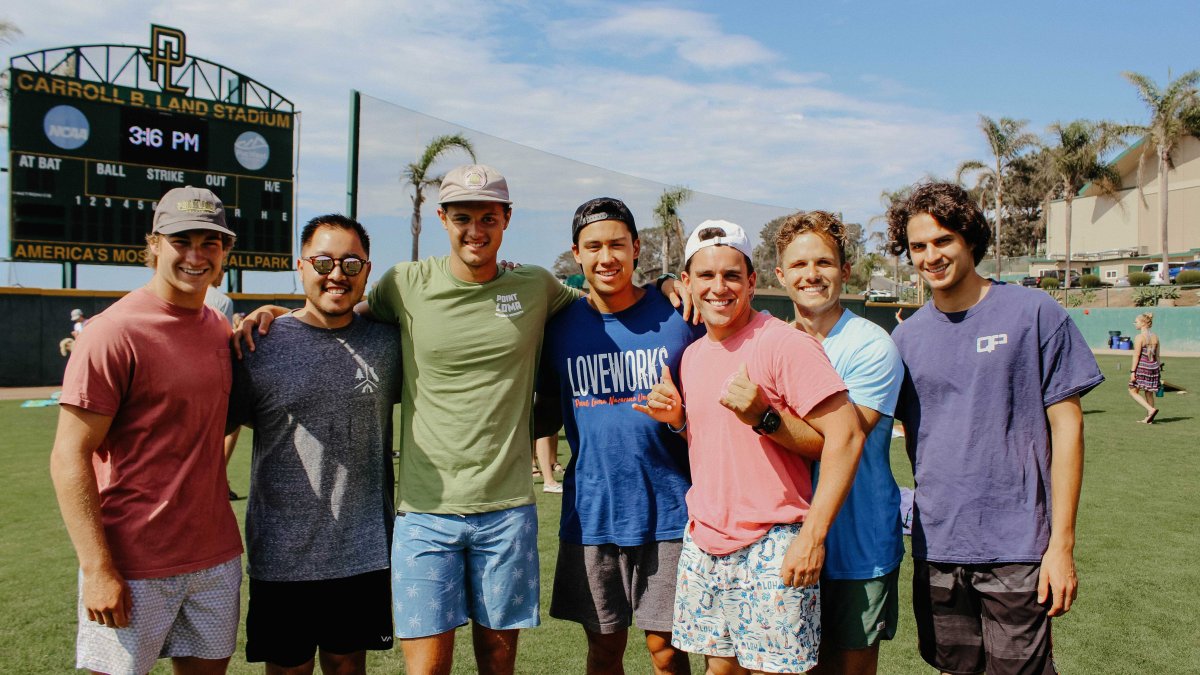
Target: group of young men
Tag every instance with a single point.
(729, 489)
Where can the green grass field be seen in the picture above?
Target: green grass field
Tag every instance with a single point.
(1137, 551)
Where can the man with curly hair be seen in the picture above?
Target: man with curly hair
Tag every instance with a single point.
(994, 429)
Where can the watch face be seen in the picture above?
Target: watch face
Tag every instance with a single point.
(769, 423)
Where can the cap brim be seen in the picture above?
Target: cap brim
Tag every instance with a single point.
(474, 198)
(184, 226)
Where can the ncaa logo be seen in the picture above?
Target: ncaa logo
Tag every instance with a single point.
(66, 127)
(988, 344)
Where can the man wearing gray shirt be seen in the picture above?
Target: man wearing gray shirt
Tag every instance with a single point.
(319, 391)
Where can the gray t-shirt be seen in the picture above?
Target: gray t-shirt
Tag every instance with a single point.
(974, 399)
(321, 478)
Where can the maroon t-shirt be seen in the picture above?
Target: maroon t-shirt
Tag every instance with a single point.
(163, 373)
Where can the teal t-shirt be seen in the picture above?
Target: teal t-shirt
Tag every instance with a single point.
(865, 540)
(470, 352)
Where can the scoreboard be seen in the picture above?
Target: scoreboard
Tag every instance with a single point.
(89, 161)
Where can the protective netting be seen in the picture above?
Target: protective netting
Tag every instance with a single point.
(545, 189)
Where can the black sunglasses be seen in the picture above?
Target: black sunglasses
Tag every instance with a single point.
(323, 264)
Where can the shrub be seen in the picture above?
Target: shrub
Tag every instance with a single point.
(1149, 296)
(1048, 283)
(1139, 278)
(1145, 297)
(1089, 281)
(1188, 278)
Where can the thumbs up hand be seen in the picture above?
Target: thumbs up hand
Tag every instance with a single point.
(664, 403)
(744, 398)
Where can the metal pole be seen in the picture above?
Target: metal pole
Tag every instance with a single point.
(352, 171)
(68, 275)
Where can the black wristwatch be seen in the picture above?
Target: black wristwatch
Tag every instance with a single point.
(768, 423)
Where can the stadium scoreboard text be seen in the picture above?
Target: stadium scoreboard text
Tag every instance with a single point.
(89, 161)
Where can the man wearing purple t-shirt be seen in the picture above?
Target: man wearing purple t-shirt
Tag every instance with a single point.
(994, 429)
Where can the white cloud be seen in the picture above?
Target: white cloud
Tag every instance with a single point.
(736, 120)
(694, 37)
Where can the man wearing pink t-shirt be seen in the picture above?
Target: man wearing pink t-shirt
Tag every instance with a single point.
(138, 466)
(747, 591)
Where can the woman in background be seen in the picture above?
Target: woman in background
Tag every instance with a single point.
(1145, 372)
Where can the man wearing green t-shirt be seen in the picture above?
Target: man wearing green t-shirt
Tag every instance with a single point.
(466, 536)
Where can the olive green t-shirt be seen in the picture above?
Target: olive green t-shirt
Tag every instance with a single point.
(469, 355)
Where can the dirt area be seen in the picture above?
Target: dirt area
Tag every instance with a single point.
(1120, 297)
(23, 393)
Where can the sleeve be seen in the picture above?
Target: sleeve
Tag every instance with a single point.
(877, 376)
(385, 298)
(905, 403)
(241, 394)
(1068, 366)
(560, 294)
(547, 405)
(800, 374)
(100, 369)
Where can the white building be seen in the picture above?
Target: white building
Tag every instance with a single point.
(1114, 235)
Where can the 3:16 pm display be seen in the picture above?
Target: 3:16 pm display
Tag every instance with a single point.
(151, 137)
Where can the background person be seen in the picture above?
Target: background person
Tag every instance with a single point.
(68, 343)
(1145, 372)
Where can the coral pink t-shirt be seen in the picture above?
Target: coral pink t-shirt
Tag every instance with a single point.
(743, 484)
(163, 373)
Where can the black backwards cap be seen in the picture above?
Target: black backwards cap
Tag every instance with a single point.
(598, 209)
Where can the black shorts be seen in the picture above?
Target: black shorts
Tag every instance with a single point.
(977, 618)
(288, 620)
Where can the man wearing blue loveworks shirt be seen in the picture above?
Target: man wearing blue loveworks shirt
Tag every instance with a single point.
(623, 512)
(994, 429)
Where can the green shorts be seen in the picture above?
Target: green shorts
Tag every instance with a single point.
(858, 613)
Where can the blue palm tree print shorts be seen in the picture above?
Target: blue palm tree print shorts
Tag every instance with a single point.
(447, 568)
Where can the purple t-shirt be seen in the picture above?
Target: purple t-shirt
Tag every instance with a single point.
(974, 398)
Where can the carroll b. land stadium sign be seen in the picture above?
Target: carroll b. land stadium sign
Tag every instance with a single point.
(99, 132)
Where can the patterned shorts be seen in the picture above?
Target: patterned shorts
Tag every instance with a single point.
(735, 605)
(446, 568)
(194, 614)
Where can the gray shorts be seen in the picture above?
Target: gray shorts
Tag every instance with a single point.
(607, 587)
(193, 614)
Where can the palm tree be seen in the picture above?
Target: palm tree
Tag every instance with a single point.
(666, 214)
(1074, 154)
(1007, 139)
(417, 175)
(1174, 115)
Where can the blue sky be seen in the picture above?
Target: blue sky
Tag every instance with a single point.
(795, 104)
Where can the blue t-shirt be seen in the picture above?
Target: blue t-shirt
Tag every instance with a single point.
(865, 540)
(974, 401)
(628, 475)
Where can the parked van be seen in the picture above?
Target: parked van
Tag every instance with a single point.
(1058, 274)
(1155, 272)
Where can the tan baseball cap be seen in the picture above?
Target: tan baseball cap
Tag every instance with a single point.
(474, 183)
(189, 208)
